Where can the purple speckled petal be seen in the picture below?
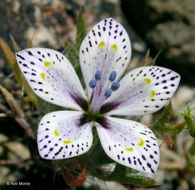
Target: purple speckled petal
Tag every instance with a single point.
(51, 76)
(142, 91)
(62, 135)
(106, 48)
(129, 143)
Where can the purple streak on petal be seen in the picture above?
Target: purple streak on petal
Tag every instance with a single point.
(103, 122)
(83, 120)
(108, 107)
(80, 101)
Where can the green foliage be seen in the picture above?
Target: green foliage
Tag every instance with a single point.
(191, 156)
(96, 157)
(190, 121)
(81, 31)
(73, 55)
(46, 107)
(126, 175)
(160, 124)
(72, 52)
(123, 175)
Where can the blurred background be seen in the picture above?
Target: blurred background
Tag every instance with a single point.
(161, 29)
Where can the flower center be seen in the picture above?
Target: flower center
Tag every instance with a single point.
(89, 116)
(103, 86)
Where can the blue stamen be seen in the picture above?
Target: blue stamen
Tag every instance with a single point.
(112, 76)
(98, 75)
(108, 92)
(92, 83)
(115, 86)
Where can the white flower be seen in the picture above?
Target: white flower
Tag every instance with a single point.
(104, 56)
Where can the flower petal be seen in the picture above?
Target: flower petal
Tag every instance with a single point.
(51, 76)
(129, 143)
(142, 91)
(61, 135)
(106, 48)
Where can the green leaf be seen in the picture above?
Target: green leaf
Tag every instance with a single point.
(192, 149)
(46, 107)
(73, 55)
(96, 156)
(190, 121)
(126, 175)
(160, 125)
(81, 31)
(191, 156)
(72, 52)
(174, 129)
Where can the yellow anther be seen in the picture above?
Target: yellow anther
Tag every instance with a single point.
(101, 44)
(67, 142)
(141, 143)
(56, 133)
(47, 64)
(114, 47)
(43, 76)
(152, 93)
(130, 149)
(148, 81)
